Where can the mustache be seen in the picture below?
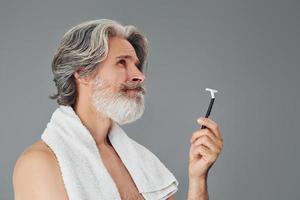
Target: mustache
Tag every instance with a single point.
(132, 85)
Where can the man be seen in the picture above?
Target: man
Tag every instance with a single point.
(98, 71)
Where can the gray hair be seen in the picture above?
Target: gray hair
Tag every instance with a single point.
(85, 46)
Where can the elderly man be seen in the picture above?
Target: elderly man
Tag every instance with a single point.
(99, 74)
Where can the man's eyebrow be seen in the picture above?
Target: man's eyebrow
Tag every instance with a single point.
(137, 62)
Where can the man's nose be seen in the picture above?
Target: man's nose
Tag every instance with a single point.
(137, 76)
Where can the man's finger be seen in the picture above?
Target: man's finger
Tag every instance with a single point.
(206, 141)
(198, 133)
(212, 125)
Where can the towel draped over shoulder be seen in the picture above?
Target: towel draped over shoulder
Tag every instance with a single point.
(84, 174)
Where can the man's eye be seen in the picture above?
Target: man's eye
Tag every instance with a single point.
(122, 62)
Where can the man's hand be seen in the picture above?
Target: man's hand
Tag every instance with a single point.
(206, 145)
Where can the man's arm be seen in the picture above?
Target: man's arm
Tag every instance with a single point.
(206, 145)
(37, 176)
(197, 190)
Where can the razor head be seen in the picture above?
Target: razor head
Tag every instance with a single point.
(212, 92)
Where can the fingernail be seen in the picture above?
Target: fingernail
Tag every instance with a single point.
(200, 120)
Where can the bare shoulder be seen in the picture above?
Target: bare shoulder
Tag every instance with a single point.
(171, 198)
(37, 175)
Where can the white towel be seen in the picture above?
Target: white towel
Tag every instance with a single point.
(84, 174)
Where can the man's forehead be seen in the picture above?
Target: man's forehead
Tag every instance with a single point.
(121, 48)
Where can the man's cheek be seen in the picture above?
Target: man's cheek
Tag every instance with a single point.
(116, 89)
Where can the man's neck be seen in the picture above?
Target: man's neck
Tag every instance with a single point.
(97, 124)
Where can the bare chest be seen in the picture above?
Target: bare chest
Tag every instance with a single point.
(120, 175)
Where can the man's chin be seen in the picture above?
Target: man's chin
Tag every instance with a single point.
(125, 111)
(126, 120)
(133, 94)
(117, 117)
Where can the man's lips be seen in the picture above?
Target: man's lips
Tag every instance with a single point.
(135, 90)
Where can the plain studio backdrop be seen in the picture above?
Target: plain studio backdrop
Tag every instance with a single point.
(247, 50)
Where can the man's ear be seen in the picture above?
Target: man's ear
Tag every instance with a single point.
(82, 80)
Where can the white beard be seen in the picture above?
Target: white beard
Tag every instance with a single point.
(120, 107)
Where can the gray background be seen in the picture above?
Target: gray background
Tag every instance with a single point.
(248, 50)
